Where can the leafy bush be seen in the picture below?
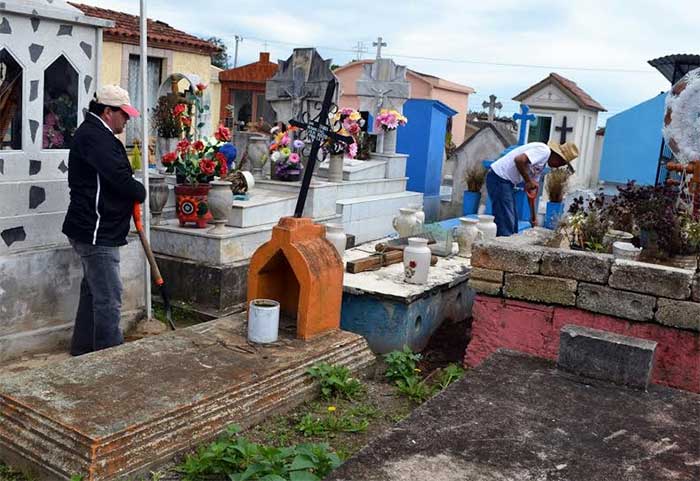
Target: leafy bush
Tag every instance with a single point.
(401, 364)
(335, 381)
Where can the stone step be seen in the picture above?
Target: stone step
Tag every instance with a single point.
(151, 399)
(357, 169)
(262, 207)
(363, 188)
(375, 206)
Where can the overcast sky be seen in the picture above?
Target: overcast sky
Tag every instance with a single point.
(601, 45)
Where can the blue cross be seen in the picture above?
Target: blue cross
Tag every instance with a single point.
(523, 117)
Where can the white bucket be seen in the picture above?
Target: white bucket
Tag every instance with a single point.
(263, 320)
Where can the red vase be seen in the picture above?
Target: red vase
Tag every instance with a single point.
(192, 206)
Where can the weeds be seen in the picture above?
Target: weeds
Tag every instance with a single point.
(311, 425)
(336, 381)
(239, 459)
(451, 373)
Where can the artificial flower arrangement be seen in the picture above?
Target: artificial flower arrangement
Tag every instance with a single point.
(351, 123)
(389, 120)
(200, 160)
(285, 153)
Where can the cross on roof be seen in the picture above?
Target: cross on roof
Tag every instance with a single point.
(524, 116)
(317, 130)
(492, 105)
(379, 44)
(563, 129)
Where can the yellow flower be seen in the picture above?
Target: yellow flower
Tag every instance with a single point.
(355, 115)
(417, 370)
(331, 409)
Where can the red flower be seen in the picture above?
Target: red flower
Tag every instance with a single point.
(198, 145)
(207, 166)
(187, 121)
(223, 169)
(169, 158)
(222, 134)
(179, 109)
(183, 145)
(221, 158)
(201, 86)
(412, 264)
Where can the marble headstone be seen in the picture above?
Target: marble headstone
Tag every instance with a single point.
(383, 85)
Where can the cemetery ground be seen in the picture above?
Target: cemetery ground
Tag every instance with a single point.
(350, 416)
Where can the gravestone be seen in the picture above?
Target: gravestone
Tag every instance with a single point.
(299, 84)
(383, 85)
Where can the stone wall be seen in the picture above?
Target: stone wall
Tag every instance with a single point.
(597, 283)
(527, 292)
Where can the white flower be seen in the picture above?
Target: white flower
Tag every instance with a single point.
(276, 156)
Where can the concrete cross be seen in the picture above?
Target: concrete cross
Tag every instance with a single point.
(379, 44)
(563, 129)
(317, 130)
(380, 96)
(492, 105)
(524, 117)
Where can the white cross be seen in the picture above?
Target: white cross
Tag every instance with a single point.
(379, 44)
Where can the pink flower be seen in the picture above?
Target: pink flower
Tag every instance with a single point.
(285, 140)
(352, 150)
(294, 158)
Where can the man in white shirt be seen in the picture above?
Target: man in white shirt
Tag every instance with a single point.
(523, 164)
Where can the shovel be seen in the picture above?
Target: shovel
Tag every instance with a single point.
(158, 279)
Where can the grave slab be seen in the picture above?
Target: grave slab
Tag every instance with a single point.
(518, 418)
(121, 411)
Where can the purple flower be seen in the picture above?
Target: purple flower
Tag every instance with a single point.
(298, 144)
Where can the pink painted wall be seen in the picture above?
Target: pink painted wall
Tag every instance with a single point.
(420, 89)
(534, 329)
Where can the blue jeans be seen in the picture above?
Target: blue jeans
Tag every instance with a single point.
(502, 194)
(99, 309)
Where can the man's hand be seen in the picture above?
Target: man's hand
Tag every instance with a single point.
(534, 222)
(531, 187)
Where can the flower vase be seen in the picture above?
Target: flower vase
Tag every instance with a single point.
(220, 203)
(407, 223)
(465, 234)
(335, 168)
(192, 205)
(416, 261)
(420, 215)
(257, 153)
(487, 226)
(470, 202)
(336, 236)
(158, 192)
(389, 146)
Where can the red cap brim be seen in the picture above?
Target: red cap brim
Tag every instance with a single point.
(132, 112)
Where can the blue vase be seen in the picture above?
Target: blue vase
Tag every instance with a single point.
(554, 211)
(470, 202)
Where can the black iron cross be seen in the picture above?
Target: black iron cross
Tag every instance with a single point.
(317, 130)
(563, 129)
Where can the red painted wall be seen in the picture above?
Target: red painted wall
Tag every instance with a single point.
(534, 329)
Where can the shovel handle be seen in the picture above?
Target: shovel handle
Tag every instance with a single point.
(157, 278)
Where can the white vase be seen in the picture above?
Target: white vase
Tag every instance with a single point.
(389, 146)
(407, 223)
(416, 261)
(335, 168)
(336, 236)
(263, 320)
(257, 153)
(220, 203)
(487, 226)
(466, 233)
(158, 192)
(625, 250)
(249, 180)
(420, 215)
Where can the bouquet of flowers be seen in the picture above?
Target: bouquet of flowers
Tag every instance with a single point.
(200, 160)
(285, 153)
(351, 123)
(389, 120)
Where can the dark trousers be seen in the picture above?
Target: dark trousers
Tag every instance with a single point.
(99, 311)
(502, 195)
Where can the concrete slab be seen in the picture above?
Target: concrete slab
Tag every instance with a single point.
(357, 169)
(120, 411)
(518, 418)
(263, 207)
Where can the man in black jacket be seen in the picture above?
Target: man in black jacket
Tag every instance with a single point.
(102, 195)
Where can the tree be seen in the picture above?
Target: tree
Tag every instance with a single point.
(220, 59)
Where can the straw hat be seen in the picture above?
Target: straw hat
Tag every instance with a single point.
(567, 151)
(115, 96)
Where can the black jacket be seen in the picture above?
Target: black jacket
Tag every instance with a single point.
(102, 187)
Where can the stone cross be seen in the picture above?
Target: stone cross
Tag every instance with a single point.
(379, 44)
(563, 129)
(524, 117)
(383, 85)
(492, 105)
(316, 130)
(299, 84)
